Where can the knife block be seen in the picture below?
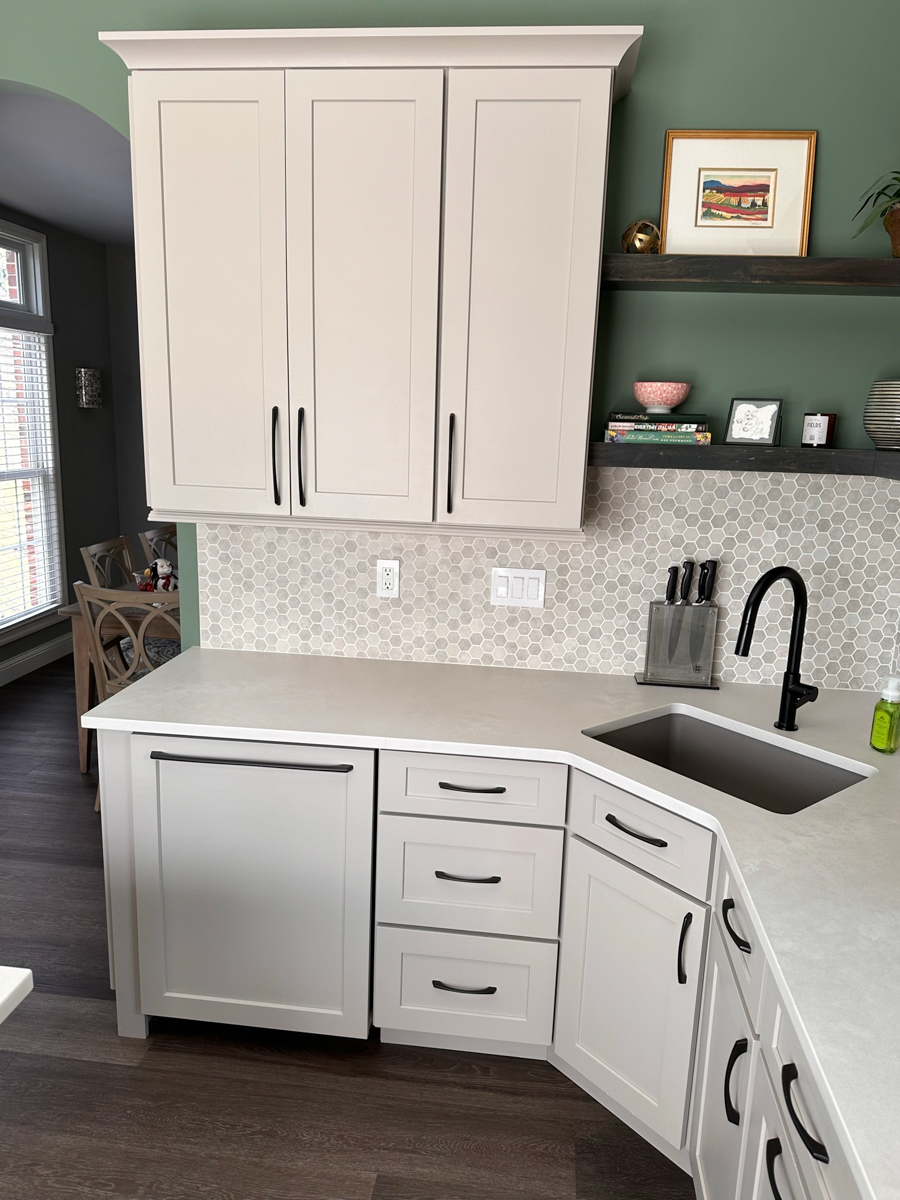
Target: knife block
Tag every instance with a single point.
(681, 641)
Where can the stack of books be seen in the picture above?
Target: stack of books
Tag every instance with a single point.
(682, 429)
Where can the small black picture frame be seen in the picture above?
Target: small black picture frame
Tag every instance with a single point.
(753, 422)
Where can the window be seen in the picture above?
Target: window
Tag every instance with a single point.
(31, 577)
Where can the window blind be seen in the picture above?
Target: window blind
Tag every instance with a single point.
(30, 568)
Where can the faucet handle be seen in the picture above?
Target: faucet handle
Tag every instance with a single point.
(803, 693)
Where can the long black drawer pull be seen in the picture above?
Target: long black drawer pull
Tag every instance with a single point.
(335, 768)
(451, 433)
(466, 878)
(742, 944)
(773, 1150)
(301, 494)
(448, 987)
(275, 489)
(685, 926)
(460, 787)
(789, 1073)
(641, 837)
(741, 1046)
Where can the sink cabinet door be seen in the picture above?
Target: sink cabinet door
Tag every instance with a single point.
(726, 1063)
(253, 876)
(625, 1014)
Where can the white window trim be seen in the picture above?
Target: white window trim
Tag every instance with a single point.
(36, 319)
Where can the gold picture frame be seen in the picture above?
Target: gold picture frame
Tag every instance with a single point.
(748, 214)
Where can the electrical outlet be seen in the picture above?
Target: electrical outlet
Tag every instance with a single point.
(387, 577)
(518, 586)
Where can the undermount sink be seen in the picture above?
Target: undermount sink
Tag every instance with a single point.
(747, 763)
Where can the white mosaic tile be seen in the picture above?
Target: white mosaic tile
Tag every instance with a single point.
(312, 591)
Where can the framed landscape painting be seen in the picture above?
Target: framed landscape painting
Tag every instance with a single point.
(737, 191)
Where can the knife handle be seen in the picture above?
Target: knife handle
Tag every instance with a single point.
(672, 585)
(711, 566)
(686, 577)
(701, 582)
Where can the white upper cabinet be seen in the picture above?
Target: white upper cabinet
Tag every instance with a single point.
(523, 219)
(208, 159)
(364, 216)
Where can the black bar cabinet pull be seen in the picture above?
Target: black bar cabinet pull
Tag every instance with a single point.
(741, 1046)
(459, 787)
(641, 837)
(773, 1150)
(334, 768)
(448, 987)
(742, 944)
(789, 1073)
(275, 488)
(301, 494)
(466, 878)
(450, 463)
(685, 926)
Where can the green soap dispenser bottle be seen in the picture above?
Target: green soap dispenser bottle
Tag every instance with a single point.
(886, 719)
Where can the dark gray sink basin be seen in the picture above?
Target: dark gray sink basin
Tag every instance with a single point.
(752, 768)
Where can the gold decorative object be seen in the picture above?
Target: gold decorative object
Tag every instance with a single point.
(641, 237)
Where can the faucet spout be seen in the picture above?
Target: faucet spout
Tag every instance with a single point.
(794, 693)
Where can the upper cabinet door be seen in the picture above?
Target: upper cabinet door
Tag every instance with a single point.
(364, 204)
(524, 195)
(208, 152)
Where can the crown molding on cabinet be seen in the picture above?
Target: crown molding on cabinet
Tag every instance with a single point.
(614, 46)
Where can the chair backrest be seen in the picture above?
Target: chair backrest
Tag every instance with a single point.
(109, 564)
(160, 543)
(110, 618)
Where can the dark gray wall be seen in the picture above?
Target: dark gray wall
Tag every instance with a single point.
(126, 391)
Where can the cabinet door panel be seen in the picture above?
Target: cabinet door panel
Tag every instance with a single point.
(770, 1171)
(253, 883)
(726, 1064)
(623, 1018)
(364, 183)
(526, 152)
(210, 243)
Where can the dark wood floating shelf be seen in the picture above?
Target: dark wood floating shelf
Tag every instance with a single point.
(882, 463)
(748, 272)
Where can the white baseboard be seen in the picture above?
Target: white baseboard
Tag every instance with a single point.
(452, 1041)
(37, 656)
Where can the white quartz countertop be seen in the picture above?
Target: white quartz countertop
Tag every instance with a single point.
(825, 882)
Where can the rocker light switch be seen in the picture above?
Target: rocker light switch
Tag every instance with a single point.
(518, 586)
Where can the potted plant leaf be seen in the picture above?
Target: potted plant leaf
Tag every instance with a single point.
(884, 198)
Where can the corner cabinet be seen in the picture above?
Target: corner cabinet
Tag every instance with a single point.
(368, 277)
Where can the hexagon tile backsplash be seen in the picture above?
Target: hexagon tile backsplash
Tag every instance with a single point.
(312, 591)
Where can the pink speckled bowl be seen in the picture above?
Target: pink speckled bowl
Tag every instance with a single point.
(660, 397)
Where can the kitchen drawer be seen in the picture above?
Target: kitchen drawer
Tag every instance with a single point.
(493, 789)
(741, 939)
(664, 845)
(770, 1169)
(797, 1090)
(507, 877)
(506, 986)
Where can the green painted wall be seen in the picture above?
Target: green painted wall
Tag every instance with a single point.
(792, 64)
(188, 585)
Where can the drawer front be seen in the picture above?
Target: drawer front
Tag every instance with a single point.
(664, 845)
(493, 789)
(466, 875)
(770, 1169)
(464, 984)
(740, 938)
(801, 1104)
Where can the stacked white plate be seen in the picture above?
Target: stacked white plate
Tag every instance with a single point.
(882, 414)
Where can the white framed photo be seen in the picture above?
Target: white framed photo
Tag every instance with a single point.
(753, 422)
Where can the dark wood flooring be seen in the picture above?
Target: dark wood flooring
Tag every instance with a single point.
(214, 1112)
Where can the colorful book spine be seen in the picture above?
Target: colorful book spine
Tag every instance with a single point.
(658, 438)
(660, 426)
(645, 418)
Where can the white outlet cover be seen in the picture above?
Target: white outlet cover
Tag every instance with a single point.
(519, 587)
(387, 578)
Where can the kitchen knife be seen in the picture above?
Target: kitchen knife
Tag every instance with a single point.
(687, 574)
(686, 578)
(707, 581)
(672, 585)
(699, 619)
(701, 582)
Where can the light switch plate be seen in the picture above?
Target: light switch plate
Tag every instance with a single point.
(518, 586)
(387, 576)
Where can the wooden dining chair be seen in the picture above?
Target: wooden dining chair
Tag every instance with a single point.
(109, 564)
(122, 630)
(160, 543)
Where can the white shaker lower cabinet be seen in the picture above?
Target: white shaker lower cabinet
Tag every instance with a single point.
(770, 1170)
(253, 867)
(726, 1065)
(631, 959)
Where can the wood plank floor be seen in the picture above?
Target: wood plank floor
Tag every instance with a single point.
(214, 1112)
